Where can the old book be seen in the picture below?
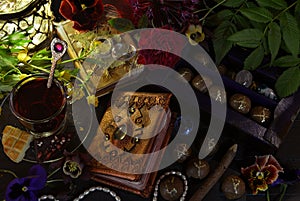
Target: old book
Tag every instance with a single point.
(102, 70)
(122, 146)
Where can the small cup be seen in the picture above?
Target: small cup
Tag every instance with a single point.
(41, 110)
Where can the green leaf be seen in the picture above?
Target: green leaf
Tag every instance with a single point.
(276, 4)
(5, 88)
(288, 82)
(249, 38)
(274, 40)
(17, 39)
(297, 11)
(218, 18)
(265, 45)
(287, 61)
(41, 58)
(221, 47)
(233, 3)
(258, 25)
(254, 59)
(241, 21)
(248, 44)
(290, 32)
(8, 60)
(257, 14)
(220, 42)
(224, 30)
(121, 24)
(250, 4)
(143, 22)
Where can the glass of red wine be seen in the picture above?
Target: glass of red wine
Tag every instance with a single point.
(41, 110)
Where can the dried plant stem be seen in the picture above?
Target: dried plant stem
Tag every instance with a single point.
(210, 10)
(212, 179)
(52, 173)
(9, 172)
(54, 180)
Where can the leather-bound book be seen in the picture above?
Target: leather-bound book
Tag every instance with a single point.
(131, 132)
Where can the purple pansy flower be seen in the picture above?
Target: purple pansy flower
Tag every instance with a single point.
(26, 188)
(289, 177)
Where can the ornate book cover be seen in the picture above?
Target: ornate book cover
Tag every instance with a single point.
(122, 146)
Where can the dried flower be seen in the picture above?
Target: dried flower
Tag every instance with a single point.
(176, 14)
(26, 188)
(262, 173)
(160, 39)
(92, 100)
(73, 166)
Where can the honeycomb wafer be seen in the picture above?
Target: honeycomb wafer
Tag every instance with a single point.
(15, 143)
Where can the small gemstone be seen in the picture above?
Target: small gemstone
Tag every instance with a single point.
(58, 47)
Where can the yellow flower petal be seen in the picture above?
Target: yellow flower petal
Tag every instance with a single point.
(191, 29)
(195, 34)
(92, 100)
(262, 187)
(22, 76)
(65, 74)
(23, 56)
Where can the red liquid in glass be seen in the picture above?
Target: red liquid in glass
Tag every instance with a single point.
(34, 101)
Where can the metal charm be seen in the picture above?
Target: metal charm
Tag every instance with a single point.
(58, 49)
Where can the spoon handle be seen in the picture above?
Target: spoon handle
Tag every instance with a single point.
(58, 49)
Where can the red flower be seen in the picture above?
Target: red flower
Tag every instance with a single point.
(158, 45)
(140, 8)
(84, 13)
(124, 8)
(262, 173)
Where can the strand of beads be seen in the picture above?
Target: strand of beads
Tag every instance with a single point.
(48, 197)
(183, 177)
(85, 193)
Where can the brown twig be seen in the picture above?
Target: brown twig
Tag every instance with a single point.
(216, 175)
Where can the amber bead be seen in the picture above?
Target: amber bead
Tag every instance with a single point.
(261, 114)
(197, 168)
(233, 187)
(171, 188)
(201, 83)
(240, 103)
